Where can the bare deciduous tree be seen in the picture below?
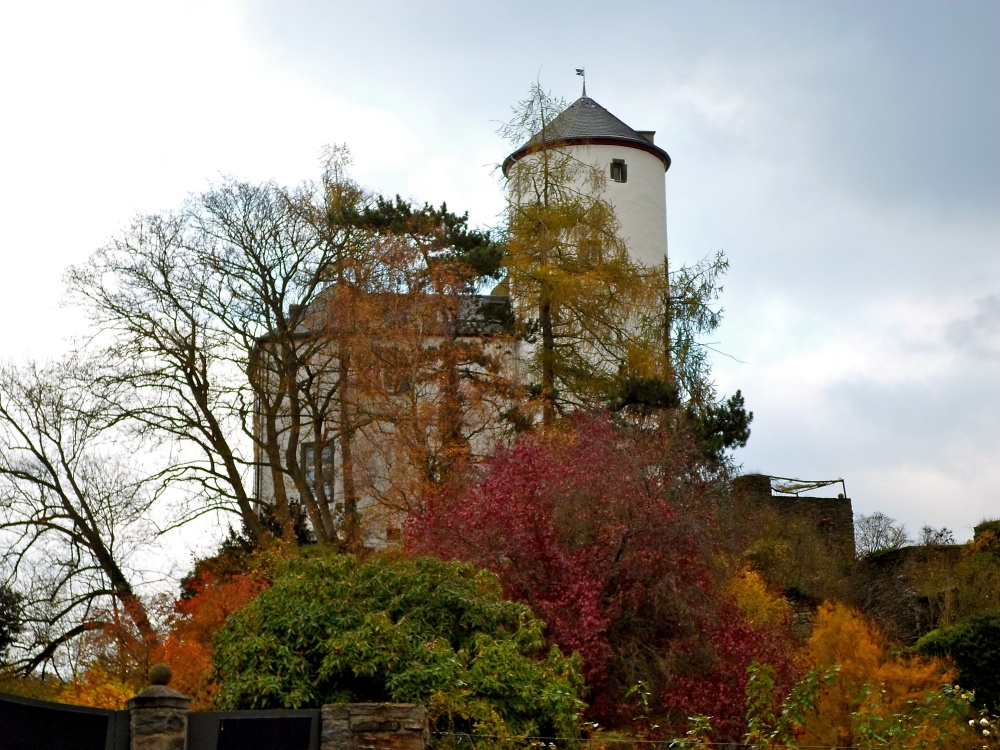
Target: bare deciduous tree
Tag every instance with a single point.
(72, 513)
(234, 331)
(930, 536)
(204, 321)
(878, 532)
(230, 337)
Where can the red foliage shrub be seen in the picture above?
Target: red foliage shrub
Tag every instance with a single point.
(716, 687)
(609, 533)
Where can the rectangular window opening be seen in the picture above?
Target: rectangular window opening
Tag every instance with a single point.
(319, 473)
(619, 170)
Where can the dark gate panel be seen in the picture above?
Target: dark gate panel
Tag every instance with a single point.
(28, 724)
(254, 730)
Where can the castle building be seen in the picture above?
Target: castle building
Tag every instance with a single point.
(633, 168)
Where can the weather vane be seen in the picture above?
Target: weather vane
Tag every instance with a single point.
(582, 72)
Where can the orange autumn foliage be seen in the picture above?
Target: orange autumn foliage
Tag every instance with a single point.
(844, 638)
(115, 657)
(187, 646)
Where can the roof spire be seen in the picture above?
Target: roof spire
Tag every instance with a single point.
(582, 72)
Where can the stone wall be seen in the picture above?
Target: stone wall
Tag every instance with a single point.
(159, 715)
(908, 591)
(374, 726)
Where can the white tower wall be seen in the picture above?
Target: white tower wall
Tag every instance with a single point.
(640, 202)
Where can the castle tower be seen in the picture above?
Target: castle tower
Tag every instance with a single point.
(633, 164)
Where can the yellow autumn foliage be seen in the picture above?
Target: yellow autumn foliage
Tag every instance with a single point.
(98, 688)
(761, 607)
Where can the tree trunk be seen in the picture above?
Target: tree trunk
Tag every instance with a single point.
(548, 360)
(352, 530)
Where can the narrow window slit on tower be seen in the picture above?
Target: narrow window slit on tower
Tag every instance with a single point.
(619, 170)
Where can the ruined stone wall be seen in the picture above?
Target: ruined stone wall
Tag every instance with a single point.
(831, 518)
(909, 591)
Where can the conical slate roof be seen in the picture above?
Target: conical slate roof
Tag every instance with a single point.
(586, 122)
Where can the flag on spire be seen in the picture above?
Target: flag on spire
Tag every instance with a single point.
(581, 72)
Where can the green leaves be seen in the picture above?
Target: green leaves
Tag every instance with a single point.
(764, 728)
(974, 645)
(934, 722)
(337, 628)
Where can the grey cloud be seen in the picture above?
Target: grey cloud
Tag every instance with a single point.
(978, 336)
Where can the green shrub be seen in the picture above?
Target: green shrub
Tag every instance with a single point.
(338, 629)
(974, 645)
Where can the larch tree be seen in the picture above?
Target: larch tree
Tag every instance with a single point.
(600, 327)
(435, 375)
(409, 382)
(582, 303)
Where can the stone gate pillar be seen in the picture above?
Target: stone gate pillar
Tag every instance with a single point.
(159, 715)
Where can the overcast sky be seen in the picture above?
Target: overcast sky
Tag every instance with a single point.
(844, 155)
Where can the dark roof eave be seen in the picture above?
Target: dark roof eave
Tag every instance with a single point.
(527, 149)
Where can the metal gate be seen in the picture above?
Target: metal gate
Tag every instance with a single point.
(28, 724)
(254, 730)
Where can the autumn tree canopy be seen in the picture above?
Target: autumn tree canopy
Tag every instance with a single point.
(601, 328)
(591, 310)
(232, 337)
(288, 353)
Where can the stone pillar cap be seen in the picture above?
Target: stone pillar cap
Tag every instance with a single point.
(159, 696)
